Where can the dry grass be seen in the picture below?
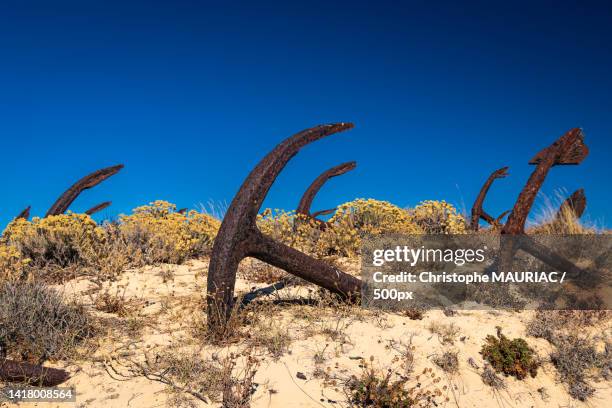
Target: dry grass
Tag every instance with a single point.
(547, 221)
(446, 332)
(256, 271)
(189, 376)
(383, 388)
(113, 302)
(575, 357)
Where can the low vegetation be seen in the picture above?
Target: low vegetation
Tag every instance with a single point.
(577, 358)
(511, 357)
(38, 324)
(447, 361)
(490, 378)
(378, 388)
(188, 376)
(61, 247)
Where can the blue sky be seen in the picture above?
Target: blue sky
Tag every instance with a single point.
(190, 95)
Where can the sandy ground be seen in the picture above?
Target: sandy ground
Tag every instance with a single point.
(165, 303)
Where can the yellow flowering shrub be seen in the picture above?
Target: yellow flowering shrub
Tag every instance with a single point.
(12, 263)
(355, 219)
(295, 230)
(370, 216)
(157, 233)
(342, 235)
(438, 217)
(58, 240)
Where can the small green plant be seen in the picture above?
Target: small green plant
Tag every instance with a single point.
(511, 357)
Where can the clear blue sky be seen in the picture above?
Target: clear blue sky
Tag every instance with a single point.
(190, 95)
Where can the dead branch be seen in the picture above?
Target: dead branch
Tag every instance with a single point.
(17, 371)
(98, 208)
(87, 182)
(238, 236)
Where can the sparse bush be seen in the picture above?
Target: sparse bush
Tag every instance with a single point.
(438, 217)
(544, 324)
(257, 271)
(446, 332)
(414, 313)
(271, 336)
(491, 379)
(573, 358)
(576, 358)
(383, 389)
(228, 380)
(511, 357)
(547, 324)
(37, 323)
(447, 361)
(115, 303)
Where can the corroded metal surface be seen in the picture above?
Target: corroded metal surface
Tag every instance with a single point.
(323, 212)
(238, 236)
(87, 182)
(478, 212)
(576, 203)
(312, 190)
(568, 149)
(25, 214)
(98, 208)
(17, 371)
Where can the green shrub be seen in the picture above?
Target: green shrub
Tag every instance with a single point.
(511, 357)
